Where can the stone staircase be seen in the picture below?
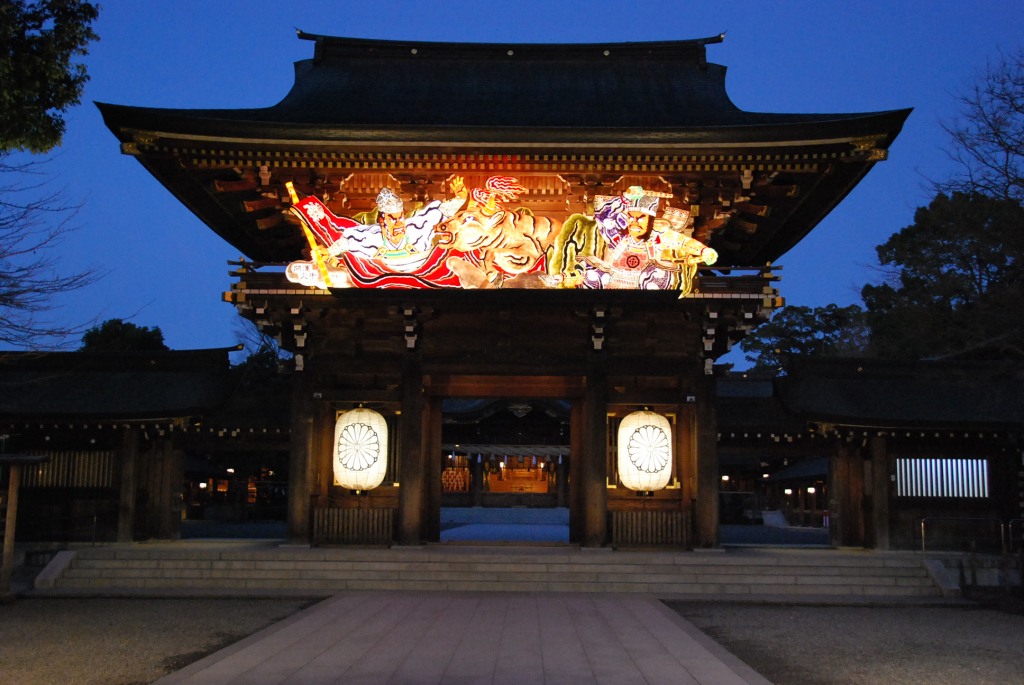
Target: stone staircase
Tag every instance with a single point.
(222, 568)
(504, 516)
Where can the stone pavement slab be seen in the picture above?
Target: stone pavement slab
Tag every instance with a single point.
(419, 638)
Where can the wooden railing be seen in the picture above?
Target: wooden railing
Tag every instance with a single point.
(646, 527)
(332, 525)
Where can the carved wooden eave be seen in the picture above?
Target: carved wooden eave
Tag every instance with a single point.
(561, 118)
(751, 205)
(637, 332)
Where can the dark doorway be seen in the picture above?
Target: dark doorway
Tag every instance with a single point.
(504, 470)
(769, 500)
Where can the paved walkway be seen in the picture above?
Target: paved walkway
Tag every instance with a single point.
(474, 639)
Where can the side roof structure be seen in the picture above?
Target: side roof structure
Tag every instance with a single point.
(596, 116)
(111, 387)
(906, 395)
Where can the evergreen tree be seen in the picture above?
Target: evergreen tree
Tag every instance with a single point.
(116, 335)
(954, 281)
(831, 331)
(38, 43)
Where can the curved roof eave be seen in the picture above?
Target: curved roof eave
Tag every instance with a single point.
(250, 127)
(377, 43)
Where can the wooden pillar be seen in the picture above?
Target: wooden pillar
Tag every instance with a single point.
(684, 448)
(839, 503)
(165, 481)
(476, 479)
(574, 477)
(129, 484)
(562, 481)
(880, 499)
(157, 498)
(594, 467)
(321, 473)
(430, 445)
(846, 488)
(707, 473)
(411, 489)
(300, 462)
(175, 490)
(11, 519)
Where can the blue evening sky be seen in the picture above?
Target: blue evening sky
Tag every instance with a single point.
(164, 268)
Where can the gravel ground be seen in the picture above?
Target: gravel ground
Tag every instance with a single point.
(136, 641)
(828, 645)
(122, 641)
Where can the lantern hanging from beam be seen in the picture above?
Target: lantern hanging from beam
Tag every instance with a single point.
(645, 451)
(360, 449)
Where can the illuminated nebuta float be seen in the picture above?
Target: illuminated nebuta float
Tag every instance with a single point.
(474, 240)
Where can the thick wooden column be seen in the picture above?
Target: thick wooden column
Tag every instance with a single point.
(10, 523)
(686, 461)
(880, 495)
(301, 460)
(412, 467)
(594, 467)
(430, 445)
(707, 473)
(846, 500)
(476, 479)
(562, 481)
(165, 473)
(321, 473)
(129, 484)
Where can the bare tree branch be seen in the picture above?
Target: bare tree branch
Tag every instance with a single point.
(34, 220)
(987, 138)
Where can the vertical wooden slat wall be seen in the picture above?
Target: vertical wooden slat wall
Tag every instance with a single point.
(73, 469)
(649, 528)
(333, 525)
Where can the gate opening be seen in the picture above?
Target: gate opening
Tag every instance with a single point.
(505, 470)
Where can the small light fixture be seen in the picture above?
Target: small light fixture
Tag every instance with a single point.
(788, 491)
(810, 490)
(725, 479)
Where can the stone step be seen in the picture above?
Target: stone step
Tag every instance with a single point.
(220, 550)
(504, 515)
(199, 568)
(215, 568)
(323, 587)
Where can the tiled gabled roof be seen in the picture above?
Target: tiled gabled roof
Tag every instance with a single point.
(860, 392)
(656, 91)
(112, 386)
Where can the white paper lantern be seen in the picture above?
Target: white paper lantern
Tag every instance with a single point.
(645, 451)
(360, 449)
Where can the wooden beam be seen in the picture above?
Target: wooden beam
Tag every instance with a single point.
(262, 203)
(234, 186)
(499, 386)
